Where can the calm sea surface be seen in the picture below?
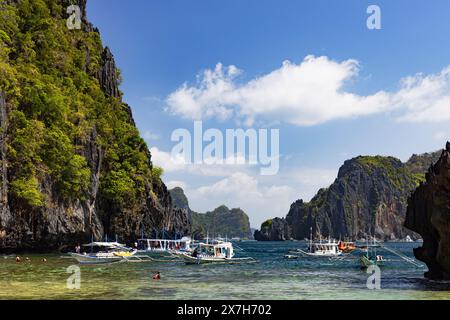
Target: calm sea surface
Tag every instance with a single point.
(272, 277)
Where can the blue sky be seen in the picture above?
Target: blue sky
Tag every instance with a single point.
(161, 45)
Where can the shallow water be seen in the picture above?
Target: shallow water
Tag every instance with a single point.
(271, 278)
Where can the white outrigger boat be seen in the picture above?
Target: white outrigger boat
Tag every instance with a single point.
(327, 249)
(215, 252)
(164, 247)
(104, 252)
(324, 249)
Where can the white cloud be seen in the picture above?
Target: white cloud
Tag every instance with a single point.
(441, 135)
(311, 180)
(174, 183)
(166, 161)
(261, 197)
(309, 93)
(241, 190)
(314, 176)
(424, 98)
(213, 169)
(149, 136)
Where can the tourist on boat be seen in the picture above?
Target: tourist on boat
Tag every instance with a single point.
(78, 249)
(157, 276)
(18, 259)
(195, 253)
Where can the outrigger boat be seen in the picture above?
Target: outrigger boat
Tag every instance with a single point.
(346, 246)
(367, 261)
(324, 249)
(164, 247)
(372, 259)
(104, 252)
(215, 252)
(321, 249)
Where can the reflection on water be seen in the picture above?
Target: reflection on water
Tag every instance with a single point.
(272, 278)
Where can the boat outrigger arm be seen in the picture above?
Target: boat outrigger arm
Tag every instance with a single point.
(407, 259)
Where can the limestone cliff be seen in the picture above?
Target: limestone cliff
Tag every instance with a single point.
(273, 230)
(368, 197)
(222, 221)
(429, 215)
(73, 163)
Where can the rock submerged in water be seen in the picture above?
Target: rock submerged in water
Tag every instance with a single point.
(428, 214)
(276, 229)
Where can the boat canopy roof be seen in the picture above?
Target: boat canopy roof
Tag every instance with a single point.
(217, 244)
(184, 239)
(104, 244)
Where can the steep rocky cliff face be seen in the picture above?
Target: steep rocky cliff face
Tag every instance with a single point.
(222, 221)
(73, 163)
(429, 215)
(368, 197)
(181, 201)
(273, 230)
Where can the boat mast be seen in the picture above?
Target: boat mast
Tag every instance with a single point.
(310, 241)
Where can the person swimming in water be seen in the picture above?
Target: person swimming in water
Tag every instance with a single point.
(157, 276)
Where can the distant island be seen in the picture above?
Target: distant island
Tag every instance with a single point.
(222, 221)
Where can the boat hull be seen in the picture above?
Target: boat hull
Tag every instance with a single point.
(366, 262)
(87, 259)
(188, 259)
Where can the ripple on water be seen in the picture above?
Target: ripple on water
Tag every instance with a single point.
(271, 278)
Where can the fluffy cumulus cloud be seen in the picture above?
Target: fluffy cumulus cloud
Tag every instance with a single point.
(210, 186)
(176, 183)
(241, 190)
(424, 98)
(210, 167)
(150, 136)
(260, 197)
(309, 93)
(166, 161)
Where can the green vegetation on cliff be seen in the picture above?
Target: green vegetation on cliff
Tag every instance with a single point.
(72, 161)
(222, 221)
(369, 196)
(49, 77)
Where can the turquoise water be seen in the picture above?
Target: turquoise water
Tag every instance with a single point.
(271, 278)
